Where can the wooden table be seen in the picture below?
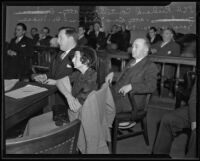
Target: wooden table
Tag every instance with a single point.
(17, 110)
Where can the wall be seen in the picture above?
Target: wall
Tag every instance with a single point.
(179, 15)
(53, 17)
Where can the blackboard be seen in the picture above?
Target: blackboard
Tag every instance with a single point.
(179, 15)
(53, 17)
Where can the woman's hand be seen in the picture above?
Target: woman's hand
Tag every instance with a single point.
(109, 77)
(74, 104)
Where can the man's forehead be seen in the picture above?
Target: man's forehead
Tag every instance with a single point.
(139, 41)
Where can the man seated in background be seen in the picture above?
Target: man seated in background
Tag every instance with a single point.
(19, 53)
(125, 37)
(113, 38)
(96, 38)
(174, 122)
(35, 35)
(168, 47)
(44, 37)
(61, 64)
(140, 75)
(152, 36)
(82, 40)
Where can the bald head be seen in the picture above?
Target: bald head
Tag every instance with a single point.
(140, 48)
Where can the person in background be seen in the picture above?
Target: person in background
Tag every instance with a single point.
(125, 38)
(82, 40)
(34, 35)
(61, 65)
(19, 53)
(140, 75)
(169, 48)
(54, 42)
(174, 122)
(44, 37)
(113, 38)
(152, 36)
(91, 28)
(97, 39)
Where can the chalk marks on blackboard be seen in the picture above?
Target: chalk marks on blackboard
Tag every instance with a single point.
(32, 12)
(50, 11)
(172, 20)
(49, 15)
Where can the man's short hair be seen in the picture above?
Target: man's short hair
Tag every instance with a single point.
(153, 28)
(81, 26)
(48, 30)
(23, 26)
(34, 28)
(70, 31)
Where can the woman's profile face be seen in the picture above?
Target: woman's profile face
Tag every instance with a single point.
(76, 60)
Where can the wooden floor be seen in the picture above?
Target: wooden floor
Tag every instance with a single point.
(136, 145)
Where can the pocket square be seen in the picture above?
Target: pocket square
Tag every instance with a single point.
(23, 45)
(68, 66)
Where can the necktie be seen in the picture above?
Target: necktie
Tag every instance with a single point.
(96, 34)
(132, 63)
(17, 40)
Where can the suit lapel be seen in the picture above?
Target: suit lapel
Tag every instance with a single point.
(137, 68)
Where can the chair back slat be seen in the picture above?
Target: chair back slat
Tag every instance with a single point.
(62, 140)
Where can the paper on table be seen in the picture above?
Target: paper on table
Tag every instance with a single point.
(9, 83)
(25, 91)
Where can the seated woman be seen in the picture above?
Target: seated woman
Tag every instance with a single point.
(75, 88)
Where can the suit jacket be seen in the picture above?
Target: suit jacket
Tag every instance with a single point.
(83, 84)
(96, 115)
(124, 40)
(157, 39)
(19, 65)
(59, 69)
(142, 77)
(83, 41)
(46, 41)
(170, 49)
(100, 39)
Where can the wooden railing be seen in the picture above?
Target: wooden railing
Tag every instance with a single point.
(178, 62)
(106, 56)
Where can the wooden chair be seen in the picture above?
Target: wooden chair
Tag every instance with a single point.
(184, 90)
(62, 140)
(132, 116)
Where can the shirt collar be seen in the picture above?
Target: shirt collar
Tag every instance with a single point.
(63, 55)
(20, 38)
(80, 37)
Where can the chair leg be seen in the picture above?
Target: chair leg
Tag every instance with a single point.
(114, 136)
(144, 124)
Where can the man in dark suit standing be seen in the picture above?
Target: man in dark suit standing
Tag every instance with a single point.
(176, 121)
(140, 75)
(82, 40)
(19, 55)
(97, 38)
(61, 65)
